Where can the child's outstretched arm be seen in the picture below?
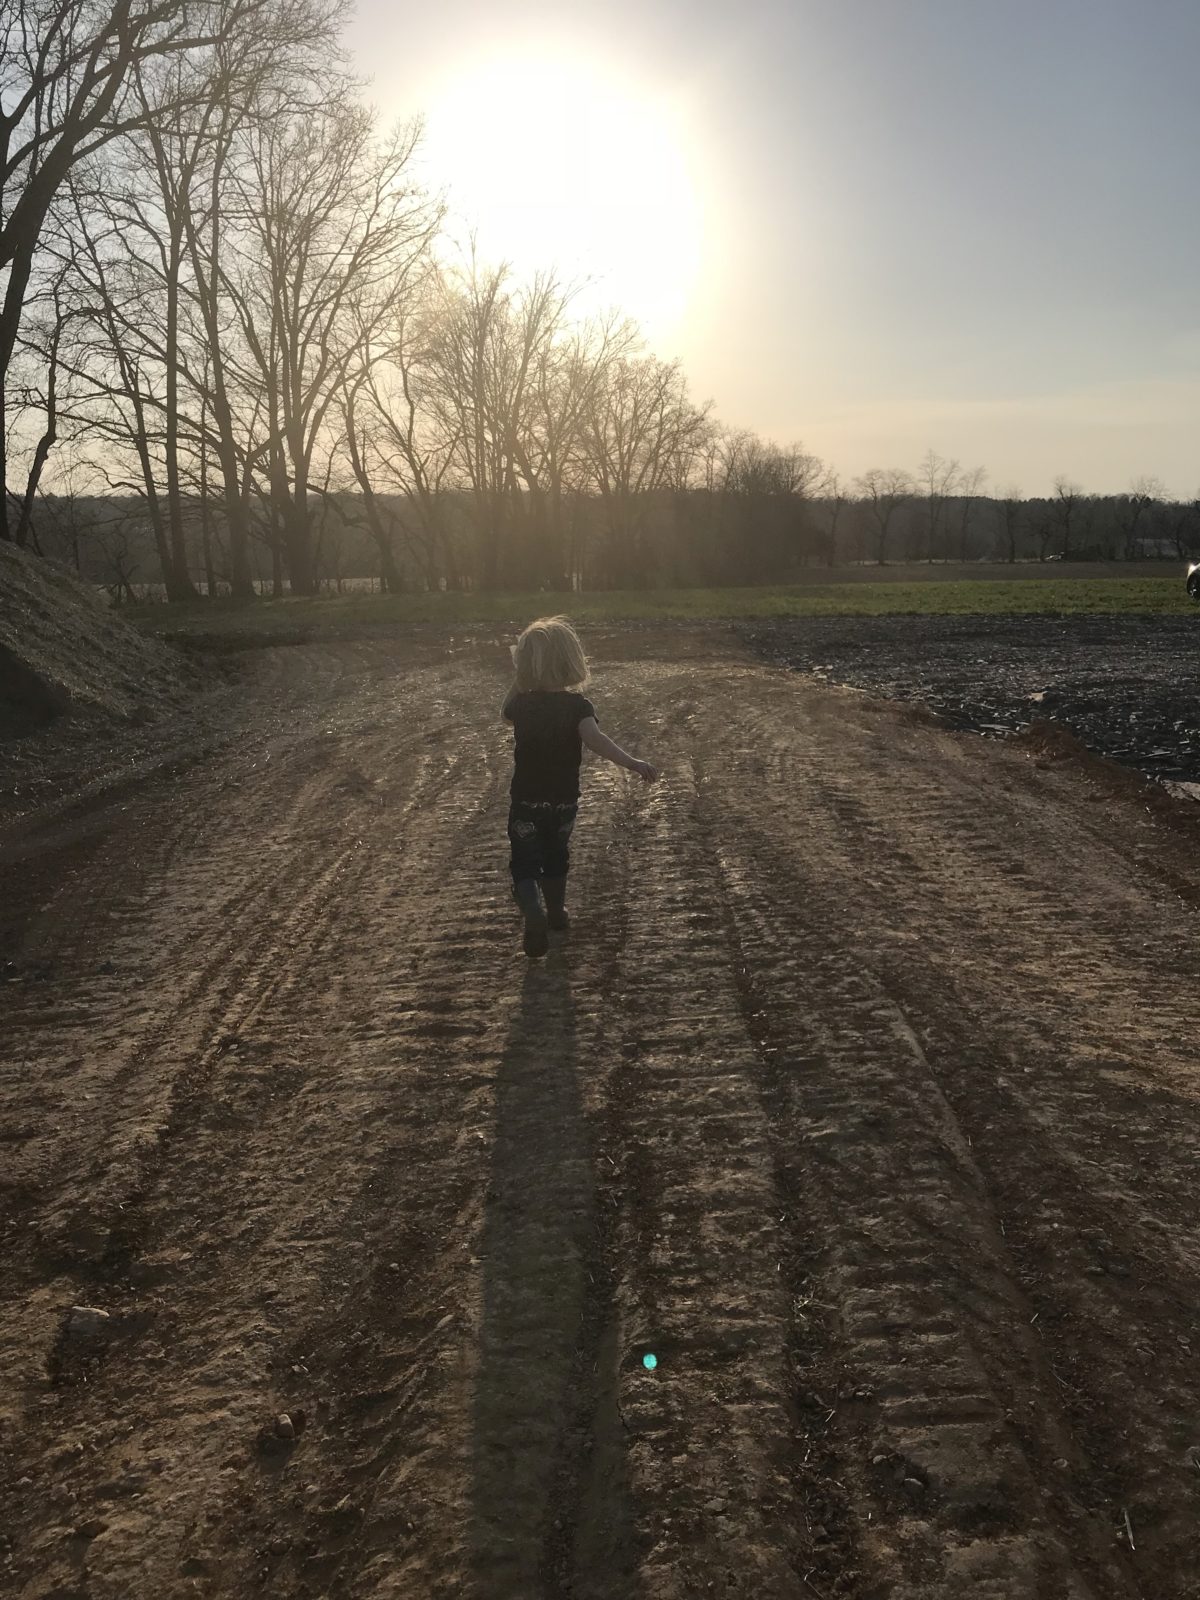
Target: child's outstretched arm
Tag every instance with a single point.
(589, 732)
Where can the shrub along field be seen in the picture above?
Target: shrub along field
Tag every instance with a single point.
(339, 615)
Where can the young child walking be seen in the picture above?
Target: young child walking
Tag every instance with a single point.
(551, 722)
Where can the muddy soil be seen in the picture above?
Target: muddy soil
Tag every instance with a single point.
(1129, 687)
(862, 1094)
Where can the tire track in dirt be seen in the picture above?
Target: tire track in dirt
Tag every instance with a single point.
(936, 1333)
(1021, 1080)
(66, 899)
(288, 933)
(776, 1110)
(699, 1241)
(471, 1430)
(258, 895)
(379, 1365)
(391, 1353)
(1103, 1224)
(371, 1325)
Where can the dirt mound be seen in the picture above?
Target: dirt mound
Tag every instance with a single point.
(62, 650)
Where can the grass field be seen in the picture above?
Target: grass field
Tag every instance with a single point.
(342, 614)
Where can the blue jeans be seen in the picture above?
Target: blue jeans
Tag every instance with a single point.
(539, 832)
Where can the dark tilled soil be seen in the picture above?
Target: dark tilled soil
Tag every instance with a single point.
(862, 1093)
(1129, 687)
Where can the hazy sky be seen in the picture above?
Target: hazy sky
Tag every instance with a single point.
(869, 225)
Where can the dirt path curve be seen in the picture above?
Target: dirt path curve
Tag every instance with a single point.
(863, 1094)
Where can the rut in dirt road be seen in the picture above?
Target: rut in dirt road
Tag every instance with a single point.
(859, 1095)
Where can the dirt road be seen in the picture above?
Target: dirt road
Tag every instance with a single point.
(863, 1095)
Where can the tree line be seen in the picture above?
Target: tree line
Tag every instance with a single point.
(237, 351)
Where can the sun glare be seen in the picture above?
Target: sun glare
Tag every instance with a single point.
(565, 164)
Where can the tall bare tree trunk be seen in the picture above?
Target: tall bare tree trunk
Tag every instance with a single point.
(179, 583)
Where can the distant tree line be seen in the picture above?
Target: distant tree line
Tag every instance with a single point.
(689, 536)
(237, 353)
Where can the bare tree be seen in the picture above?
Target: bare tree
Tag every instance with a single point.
(1179, 521)
(970, 484)
(396, 453)
(936, 477)
(265, 72)
(335, 224)
(833, 493)
(64, 520)
(1133, 510)
(65, 91)
(885, 489)
(527, 405)
(119, 361)
(569, 370)
(1067, 495)
(1092, 529)
(472, 303)
(639, 421)
(1010, 518)
(43, 351)
(767, 489)
(1042, 524)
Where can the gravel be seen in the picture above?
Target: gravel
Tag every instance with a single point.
(1128, 686)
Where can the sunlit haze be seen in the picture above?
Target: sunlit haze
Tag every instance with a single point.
(873, 227)
(554, 160)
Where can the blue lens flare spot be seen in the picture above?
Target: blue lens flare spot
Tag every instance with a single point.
(649, 1361)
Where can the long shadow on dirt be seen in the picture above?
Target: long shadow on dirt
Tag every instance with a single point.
(550, 1497)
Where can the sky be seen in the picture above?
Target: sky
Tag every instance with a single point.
(873, 227)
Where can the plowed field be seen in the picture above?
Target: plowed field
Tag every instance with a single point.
(863, 1094)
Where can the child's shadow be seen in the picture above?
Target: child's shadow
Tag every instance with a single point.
(549, 1505)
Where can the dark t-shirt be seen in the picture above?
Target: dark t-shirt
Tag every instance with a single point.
(548, 746)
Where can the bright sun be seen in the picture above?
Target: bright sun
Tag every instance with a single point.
(562, 163)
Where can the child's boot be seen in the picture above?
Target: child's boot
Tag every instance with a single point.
(527, 897)
(555, 892)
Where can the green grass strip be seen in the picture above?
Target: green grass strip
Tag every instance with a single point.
(347, 613)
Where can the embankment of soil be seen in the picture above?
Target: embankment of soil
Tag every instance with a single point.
(63, 652)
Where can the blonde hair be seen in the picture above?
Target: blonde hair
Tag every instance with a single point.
(548, 655)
